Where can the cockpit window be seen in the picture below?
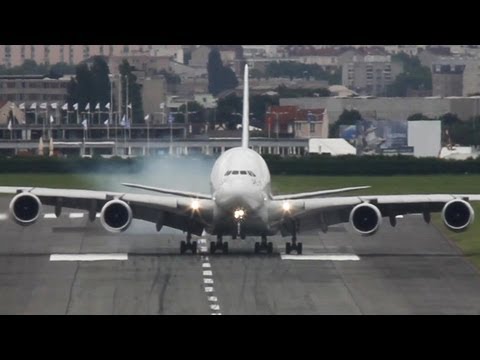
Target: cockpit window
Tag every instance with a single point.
(228, 173)
(243, 172)
(251, 173)
(234, 172)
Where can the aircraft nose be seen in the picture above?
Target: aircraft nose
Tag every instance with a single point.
(239, 193)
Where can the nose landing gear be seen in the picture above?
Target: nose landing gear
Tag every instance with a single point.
(219, 245)
(263, 246)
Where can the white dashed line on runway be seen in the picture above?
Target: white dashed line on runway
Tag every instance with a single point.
(88, 257)
(50, 216)
(76, 215)
(208, 278)
(3, 216)
(322, 257)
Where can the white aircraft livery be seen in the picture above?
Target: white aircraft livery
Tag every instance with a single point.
(240, 204)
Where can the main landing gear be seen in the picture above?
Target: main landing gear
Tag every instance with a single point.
(298, 247)
(188, 245)
(263, 246)
(219, 245)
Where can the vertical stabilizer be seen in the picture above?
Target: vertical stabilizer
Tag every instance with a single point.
(245, 121)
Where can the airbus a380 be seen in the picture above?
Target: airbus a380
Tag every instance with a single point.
(240, 204)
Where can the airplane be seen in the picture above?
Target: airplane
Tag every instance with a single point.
(241, 204)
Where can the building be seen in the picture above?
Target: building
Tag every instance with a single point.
(447, 80)
(390, 108)
(425, 137)
(199, 57)
(154, 93)
(434, 55)
(231, 55)
(471, 78)
(14, 55)
(33, 88)
(370, 72)
(260, 51)
(293, 122)
(150, 65)
(309, 54)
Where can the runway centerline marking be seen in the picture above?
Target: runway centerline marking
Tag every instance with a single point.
(88, 257)
(208, 279)
(50, 216)
(322, 257)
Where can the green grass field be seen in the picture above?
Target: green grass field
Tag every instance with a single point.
(468, 241)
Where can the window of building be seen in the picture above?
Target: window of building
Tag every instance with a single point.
(312, 128)
(10, 85)
(298, 126)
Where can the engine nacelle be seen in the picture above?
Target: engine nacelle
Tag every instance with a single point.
(458, 215)
(25, 208)
(366, 218)
(116, 216)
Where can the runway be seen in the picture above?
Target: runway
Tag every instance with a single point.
(409, 269)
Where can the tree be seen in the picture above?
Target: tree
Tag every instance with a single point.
(347, 117)
(134, 91)
(256, 74)
(228, 107)
(84, 80)
(450, 119)
(220, 77)
(418, 116)
(170, 77)
(72, 91)
(214, 68)
(414, 76)
(62, 68)
(196, 113)
(100, 80)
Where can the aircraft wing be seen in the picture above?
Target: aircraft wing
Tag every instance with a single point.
(322, 212)
(175, 212)
(317, 193)
(169, 191)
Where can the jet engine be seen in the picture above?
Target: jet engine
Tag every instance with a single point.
(116, 216)
(458, 215)
(25, 208)
(366, 218)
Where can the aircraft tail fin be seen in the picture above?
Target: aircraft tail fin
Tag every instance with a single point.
(246, 110)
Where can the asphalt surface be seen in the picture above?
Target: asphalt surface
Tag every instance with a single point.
(410, 269)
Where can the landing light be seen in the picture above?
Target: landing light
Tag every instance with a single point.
(195, 205)
(286, 206)
(239, 214)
